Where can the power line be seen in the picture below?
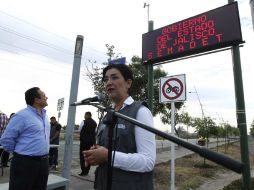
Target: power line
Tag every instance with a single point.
(62, 50)
(35, 40)
(39, 41)
(85, 60)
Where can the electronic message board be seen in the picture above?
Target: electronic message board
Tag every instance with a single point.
(208, 31)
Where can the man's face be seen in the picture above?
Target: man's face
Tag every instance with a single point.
(52, 120)
(41, 101)
(87, 116)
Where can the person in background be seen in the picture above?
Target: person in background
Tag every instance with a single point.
(87, 130)
(55, 129)
(27, 137)
(3, 123)
(135, 148)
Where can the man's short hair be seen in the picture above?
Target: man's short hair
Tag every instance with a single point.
(31, 94)
(88, 113)
(53, 117)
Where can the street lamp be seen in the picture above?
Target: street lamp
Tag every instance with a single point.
(201, 106)
(202, 110)
(71, 109)
(203, 116)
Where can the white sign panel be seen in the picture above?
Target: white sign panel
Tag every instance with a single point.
(60, 104)
(173, 89)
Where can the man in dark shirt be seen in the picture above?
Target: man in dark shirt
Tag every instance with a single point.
(55, 129)
(87, 139)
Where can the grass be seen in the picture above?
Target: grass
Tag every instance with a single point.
(238, 185)
(190, 171)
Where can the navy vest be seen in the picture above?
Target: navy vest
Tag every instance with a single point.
(124, 139)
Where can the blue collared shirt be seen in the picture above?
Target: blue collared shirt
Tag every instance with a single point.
(27, 133)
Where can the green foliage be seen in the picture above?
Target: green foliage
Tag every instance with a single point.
(139, 89)
(185, 118)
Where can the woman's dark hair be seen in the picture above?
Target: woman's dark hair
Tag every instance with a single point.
(31, 94)
(125, 71)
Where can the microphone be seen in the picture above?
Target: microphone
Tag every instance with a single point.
(98, 98)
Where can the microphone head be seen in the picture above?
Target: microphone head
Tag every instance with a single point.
(101, 97)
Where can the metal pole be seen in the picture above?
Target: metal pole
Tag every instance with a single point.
(172, 168)
(201, 106)
(216, 157)
(58, 115)
(252, 11)
(203, 115)
(240, 113)
(150, 76)
(72, 109)
(147, 5)
(148, 11)
(150, 66)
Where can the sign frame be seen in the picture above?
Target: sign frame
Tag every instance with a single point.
(205, 32)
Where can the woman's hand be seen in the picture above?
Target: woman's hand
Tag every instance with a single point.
(96, 155)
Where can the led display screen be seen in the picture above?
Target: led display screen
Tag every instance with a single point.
(211, 30)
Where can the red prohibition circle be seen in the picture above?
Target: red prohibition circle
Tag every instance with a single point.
(168, 84)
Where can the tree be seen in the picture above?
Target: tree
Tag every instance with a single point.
(185, 119)
(199, 124)
(139, 89)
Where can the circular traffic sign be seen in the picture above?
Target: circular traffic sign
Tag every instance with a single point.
(172, 88)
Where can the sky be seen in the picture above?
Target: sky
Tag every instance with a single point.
(37, 40)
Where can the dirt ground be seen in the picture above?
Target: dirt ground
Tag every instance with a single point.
(188, 176)
(225, 177)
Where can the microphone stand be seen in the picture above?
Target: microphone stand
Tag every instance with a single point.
(110, 121)
(216, 157)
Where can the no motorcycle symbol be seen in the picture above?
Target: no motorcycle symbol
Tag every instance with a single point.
(172, 88)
